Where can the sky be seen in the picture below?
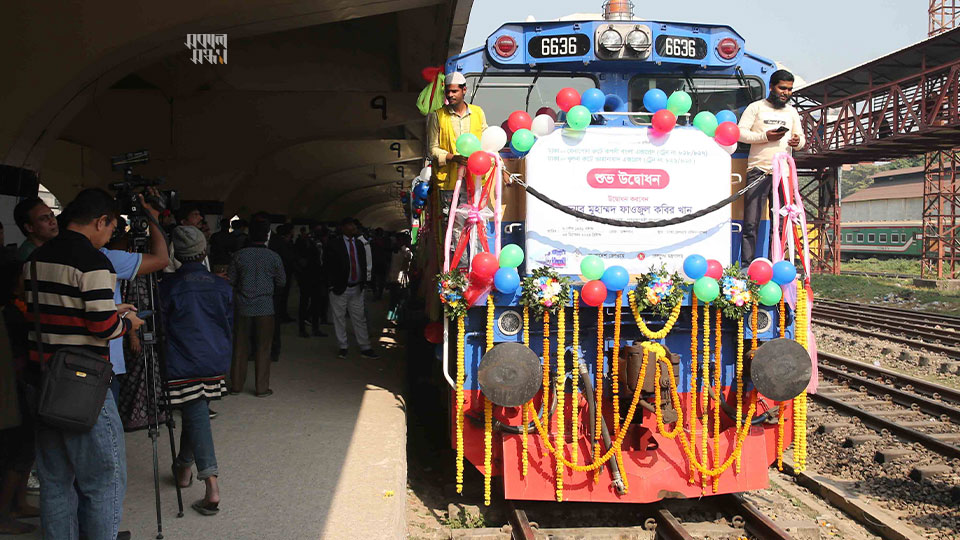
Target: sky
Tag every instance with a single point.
(814, 38)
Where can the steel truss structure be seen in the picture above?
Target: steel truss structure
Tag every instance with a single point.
(904, 104)
(943, 15)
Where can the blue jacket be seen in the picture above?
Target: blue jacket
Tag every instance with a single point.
(198, 312)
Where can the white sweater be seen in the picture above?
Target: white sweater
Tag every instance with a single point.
(758, 118)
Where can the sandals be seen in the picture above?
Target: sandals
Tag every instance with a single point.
(176, 477)
(206, 508)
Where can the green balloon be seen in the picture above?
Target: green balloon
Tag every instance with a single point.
(467, 144)
(770, 294)
(523, 140)
(707, 289)
(591, 266)
(679, 102)
(706, 122)
(511, 256)
(578, 118)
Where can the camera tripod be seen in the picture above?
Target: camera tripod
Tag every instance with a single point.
(145, 296)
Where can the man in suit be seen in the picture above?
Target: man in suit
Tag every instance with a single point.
(345, 263)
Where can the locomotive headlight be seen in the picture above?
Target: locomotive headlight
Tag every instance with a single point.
(638, 41)
(611, 40)
(509, 322)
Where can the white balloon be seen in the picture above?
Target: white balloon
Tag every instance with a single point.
(493, 139)
(730, 148)
(543, 125)
(425, 173)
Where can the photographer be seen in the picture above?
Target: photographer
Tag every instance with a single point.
(128, 265)
(82, 473)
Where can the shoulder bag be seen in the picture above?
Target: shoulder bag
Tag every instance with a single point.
(75, 380)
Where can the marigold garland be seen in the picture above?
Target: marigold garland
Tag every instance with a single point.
(615, 364)
(686, 444)
(614, 447)
(488, 414)
(617, 443)
(800, 402)
(599, 392)
(460, 380)
(754, 315)
(692, 394)
(561, 389)
(717, 382)
(782, 414)
(739, 383)
(546, 361)
(783, 318)
(575, 404)
(704, 396)
(487, 448)
(526, 340)
(649, 334)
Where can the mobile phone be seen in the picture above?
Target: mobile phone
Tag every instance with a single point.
(781, 129)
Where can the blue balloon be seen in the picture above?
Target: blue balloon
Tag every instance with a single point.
(507, 280)
(784, 273)
(616, 278)
(422, 190)
(593, 99)
(654, 100)
(695, 267)
(726, 116)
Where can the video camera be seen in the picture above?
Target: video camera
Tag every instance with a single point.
(133, 185)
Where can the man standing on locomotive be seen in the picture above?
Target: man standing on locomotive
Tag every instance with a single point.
(765, 126)
(447, 123)
(444, 126)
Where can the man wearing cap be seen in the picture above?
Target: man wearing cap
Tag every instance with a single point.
(446, 124)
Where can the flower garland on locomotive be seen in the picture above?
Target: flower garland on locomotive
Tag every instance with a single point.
(606, 413)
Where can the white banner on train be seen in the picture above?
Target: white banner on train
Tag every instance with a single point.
(624, 174)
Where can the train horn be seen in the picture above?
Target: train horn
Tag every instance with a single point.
(510, 374)
(781, 369)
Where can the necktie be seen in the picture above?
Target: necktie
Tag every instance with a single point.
(353, 262)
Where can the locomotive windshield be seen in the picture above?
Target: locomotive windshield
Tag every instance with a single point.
(712, 94)
(499, 95)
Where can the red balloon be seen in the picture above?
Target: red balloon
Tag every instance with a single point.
(714, 269)
(760, 271)
(476, 291)
(485, 265)
(567, 99)
(479, 163)
(433, 332)
(593, 293)
(547, 111)
(664, 120)
(727, 133)
(519, 120)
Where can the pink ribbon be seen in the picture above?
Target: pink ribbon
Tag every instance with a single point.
(785, 180)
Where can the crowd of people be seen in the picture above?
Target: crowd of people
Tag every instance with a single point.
(72, 285)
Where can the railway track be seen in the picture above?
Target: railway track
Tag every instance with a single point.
(663, 524)
(942, 321)
(913, 329)
(888, 407)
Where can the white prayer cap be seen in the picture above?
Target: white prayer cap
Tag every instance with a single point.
(456, 78)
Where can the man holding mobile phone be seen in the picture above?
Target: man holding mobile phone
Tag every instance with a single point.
(769, 126)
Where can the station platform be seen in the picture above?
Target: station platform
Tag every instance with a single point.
(323, 457)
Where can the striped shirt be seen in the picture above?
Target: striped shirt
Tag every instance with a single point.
(75, 283)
